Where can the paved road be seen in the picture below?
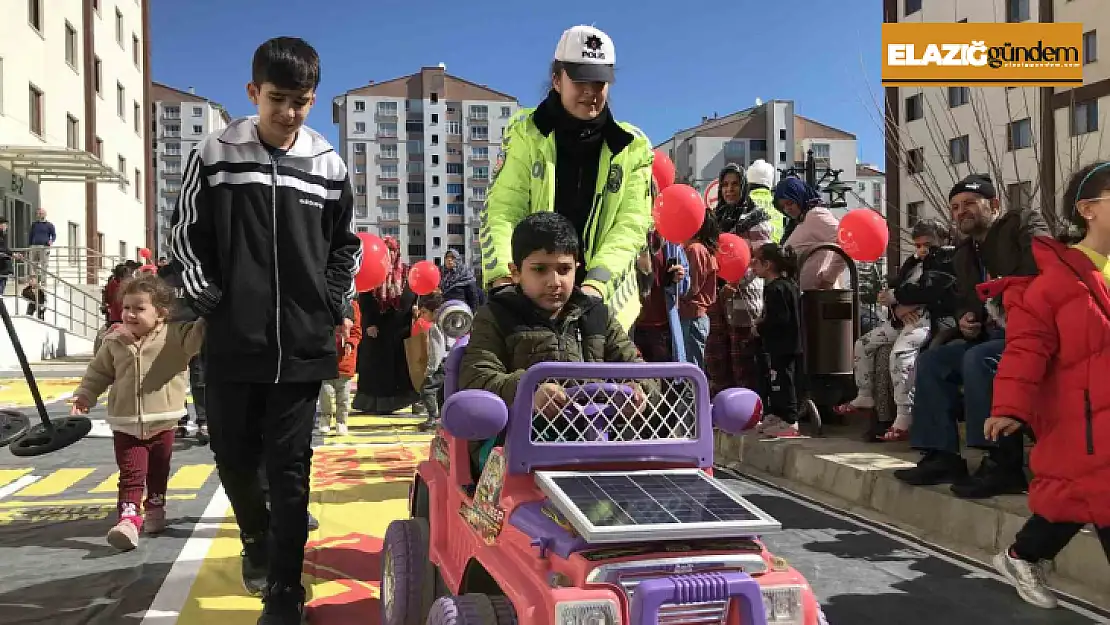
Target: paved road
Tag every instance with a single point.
(55, 509)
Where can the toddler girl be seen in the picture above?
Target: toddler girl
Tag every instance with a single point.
(693, 307)
(335, 395)
(1052, 378)
(779, 330)
(144, 361)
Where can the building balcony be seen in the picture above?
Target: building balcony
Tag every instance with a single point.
(382, 135)
(481, 118)
(171, 192)
(481, 182)
(385, 116)
(479, 138)
(387, 158)
(176, 155)
(388, 178)
(388, 201)
(480, 161)
(172, 175)
(477, 203)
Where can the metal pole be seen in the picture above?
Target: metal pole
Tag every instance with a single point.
(27, 374)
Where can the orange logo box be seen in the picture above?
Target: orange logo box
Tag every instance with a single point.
(982, 55)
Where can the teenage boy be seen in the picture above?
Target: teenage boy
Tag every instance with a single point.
(543, 317)
(264, 232)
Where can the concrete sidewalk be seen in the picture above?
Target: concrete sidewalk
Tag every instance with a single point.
(843, 469)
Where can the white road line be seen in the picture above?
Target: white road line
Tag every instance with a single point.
(18, 485)
(173, 594)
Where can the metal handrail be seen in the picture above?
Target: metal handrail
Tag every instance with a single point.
(72, 263)
(68, 306)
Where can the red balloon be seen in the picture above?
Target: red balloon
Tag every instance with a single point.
(733, 257)
(863, 235)
(679, 213)
(144, 252)
(662, 169)
(375, 263)
(424, 277)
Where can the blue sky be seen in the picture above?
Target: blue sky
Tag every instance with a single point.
(673, 65)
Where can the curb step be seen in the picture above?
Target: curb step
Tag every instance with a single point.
(862, 475)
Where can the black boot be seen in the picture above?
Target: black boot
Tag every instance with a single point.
(282, 605)
(995, 476)
(256, 563)
(936, 467)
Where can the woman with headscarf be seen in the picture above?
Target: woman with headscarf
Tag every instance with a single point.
(458, 282)
(384, 385)
(814, 225)
(730, 355)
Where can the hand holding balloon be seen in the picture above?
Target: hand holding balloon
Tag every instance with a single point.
(679, 213)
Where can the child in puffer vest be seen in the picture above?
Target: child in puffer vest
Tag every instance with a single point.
(143, 360)
(335, 395)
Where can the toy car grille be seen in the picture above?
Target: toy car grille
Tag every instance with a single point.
(707, 613)
(592, 411)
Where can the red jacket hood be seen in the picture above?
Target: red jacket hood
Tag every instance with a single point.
(1048, 252)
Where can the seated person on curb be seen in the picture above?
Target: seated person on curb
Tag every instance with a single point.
(920, 299)
(997, 245)
(543, 317)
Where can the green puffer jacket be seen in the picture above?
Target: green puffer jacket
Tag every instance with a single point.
(510, 334)
(524, 183)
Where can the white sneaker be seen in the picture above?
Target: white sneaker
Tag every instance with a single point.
(325, 429)
(341, 429)
(1028, 579)
(775, 427)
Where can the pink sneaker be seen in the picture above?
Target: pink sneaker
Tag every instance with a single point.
(154, 521)
(775, 427)
(125, 535)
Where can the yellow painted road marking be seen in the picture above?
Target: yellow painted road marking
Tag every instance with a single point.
(109, 485)
(56, 483)
(191, 477)
(7, 476)
(55, 503)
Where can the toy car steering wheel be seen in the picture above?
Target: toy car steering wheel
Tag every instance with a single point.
(586, 394)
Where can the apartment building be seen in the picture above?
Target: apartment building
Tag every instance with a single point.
(771, 131)
(1029, 139)
(870, 189)
(73, 127)
(420, 149)
(181, 119)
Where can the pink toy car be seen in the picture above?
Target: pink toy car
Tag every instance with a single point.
(603, 511)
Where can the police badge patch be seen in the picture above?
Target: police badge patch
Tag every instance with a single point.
(616, 177)
(499, 163)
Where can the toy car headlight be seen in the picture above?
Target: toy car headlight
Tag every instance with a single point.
(586, 613)
(783, 605)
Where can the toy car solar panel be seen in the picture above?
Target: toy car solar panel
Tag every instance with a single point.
(673, 504)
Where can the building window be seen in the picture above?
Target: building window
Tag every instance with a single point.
(173, 130)
(435, 181)
(1017, 10)
(1020, 195)
(73, 133)
(36, 109)
(360, 189)
(386, 150)
(389, 192)
(1090, 47)
(121, 95)
(913, 213)
(360, 148)
(34, 14)
(198, 111)
(389, 171)
(384, 130)
(915, 160)
(915, 107)
(454, 169)
(138, 185)
(198, 130)
(479, 111)
(98, 76)
(435, 158)
(456, 209)
(435, 201)
(782, 157)
(1084, 118)
(384, 108)
(137, 113)
(71, 45)
(454, 128)
(454, 189)
(122, 168)
(360, 127)
(958, 96)
(958, 149)
(479, 133)
(782, 134)
(435, 118)
(433, 98)
(435, 222)
(135, 56)
(119, 28)
(1019, 134)
(912, 6)
(360, 106)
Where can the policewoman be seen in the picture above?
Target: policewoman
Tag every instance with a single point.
(571, 156)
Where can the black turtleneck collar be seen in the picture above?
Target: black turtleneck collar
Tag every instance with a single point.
(551, 116)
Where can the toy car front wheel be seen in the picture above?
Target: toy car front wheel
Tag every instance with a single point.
(472, 609)
(408, 576)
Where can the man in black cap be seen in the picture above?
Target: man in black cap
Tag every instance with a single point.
(995, 244)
